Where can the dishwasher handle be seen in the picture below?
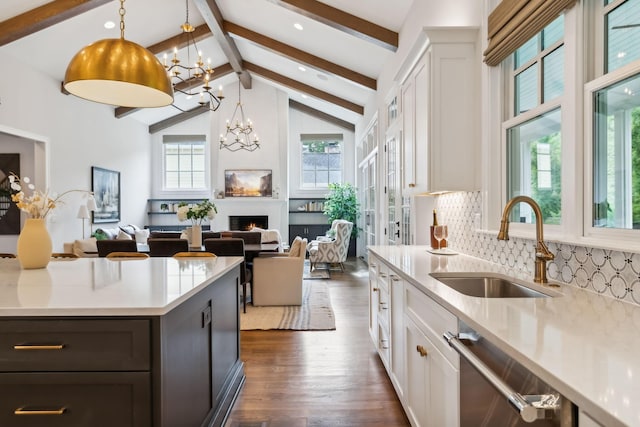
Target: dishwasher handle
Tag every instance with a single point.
(530, 408)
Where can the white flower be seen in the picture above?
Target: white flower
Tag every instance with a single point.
(182, 213)
(197, 213)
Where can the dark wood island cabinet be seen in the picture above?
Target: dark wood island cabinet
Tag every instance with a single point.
(157, 346)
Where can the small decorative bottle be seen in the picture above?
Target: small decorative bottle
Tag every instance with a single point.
(433, 240)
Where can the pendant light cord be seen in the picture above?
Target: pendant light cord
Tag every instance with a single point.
(121, 11)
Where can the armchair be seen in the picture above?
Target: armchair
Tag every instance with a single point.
(277, 277)
(334, 251)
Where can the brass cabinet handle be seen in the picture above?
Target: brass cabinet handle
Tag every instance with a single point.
(412, 185)
(423, 351)
(23, 411)
(38, 347)
(375, 289)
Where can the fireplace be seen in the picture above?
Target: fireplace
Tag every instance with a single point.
(247, 222)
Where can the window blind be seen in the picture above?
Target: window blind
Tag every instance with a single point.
(513, 22)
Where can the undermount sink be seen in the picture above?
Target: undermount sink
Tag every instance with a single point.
(488, 286)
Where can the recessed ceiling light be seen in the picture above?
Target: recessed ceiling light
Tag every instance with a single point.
(301, 68)
(109, 25)
(298, 26)
(323, 76)
(304, 96)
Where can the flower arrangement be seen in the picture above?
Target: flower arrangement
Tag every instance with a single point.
(205, 210)
(38, 204)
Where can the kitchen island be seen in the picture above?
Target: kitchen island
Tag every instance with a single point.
(139, 342)
(582, 344)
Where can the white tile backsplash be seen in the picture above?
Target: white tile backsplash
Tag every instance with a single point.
(607, 272)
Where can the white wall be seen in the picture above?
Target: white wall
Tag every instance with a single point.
(80, 134)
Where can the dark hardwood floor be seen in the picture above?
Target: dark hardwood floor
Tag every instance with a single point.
(319, 378)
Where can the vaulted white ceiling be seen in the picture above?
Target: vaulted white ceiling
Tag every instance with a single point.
(340, 64)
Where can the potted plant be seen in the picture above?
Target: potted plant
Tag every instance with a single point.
(341, 203)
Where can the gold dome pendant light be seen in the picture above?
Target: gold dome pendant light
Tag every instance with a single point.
(119, 72)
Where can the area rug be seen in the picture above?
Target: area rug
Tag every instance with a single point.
(315, 313)
(320, 272)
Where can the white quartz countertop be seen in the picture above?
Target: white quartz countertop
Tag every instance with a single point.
(105, 287)
(584, 345)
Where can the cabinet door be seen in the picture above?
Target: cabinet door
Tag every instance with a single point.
(432, 392)
(75, 399)
(397, 364)
(408, 134)
(374, 299)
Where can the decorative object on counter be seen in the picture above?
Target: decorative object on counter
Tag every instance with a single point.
(205, 210)
(440, 233)
(341, 203)
(34, 243)
(434, 242)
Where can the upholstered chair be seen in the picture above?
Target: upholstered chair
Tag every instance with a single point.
(166, 246)
(105, 247)
(277, 277)
(232, 247)
(333, 251)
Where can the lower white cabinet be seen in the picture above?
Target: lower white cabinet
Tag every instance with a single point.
(432, 392)
(406, 327)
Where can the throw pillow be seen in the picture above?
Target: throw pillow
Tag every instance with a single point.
(86, 245)
(131, 231)
(142, 236)
(123, 236)
(294, 251)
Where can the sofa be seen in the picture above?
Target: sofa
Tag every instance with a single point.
(89, 248)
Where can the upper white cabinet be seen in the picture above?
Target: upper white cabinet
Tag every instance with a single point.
(440, 112)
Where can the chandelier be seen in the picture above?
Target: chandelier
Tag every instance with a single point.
(118, 72)
(239, 131)
(192, 80)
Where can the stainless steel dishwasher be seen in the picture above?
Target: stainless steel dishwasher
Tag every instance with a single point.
(495, 390)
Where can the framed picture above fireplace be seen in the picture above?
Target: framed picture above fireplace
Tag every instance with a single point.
(247, 183)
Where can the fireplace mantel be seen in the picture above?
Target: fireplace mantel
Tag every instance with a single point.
(275, 209)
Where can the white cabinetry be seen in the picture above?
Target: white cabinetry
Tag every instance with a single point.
(440, 110)
(406, 327)
(379, 308)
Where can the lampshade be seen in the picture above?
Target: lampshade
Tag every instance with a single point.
(83, 212)
(118, 72)
(91, 204)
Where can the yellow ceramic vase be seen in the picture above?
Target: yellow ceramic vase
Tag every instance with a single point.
(34, 244)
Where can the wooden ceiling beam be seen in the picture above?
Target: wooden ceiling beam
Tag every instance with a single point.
(301, 56)
(178, 118)
(43, 17)
(200, 33)
(321, 115)
(218, 72)
(294, 84)
(213, 18)
(343, 21)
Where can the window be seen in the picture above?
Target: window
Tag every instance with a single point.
(622, 31)
(533, 169)
(321, 160)
(184, 162)
(533, 134)
(615, 145)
